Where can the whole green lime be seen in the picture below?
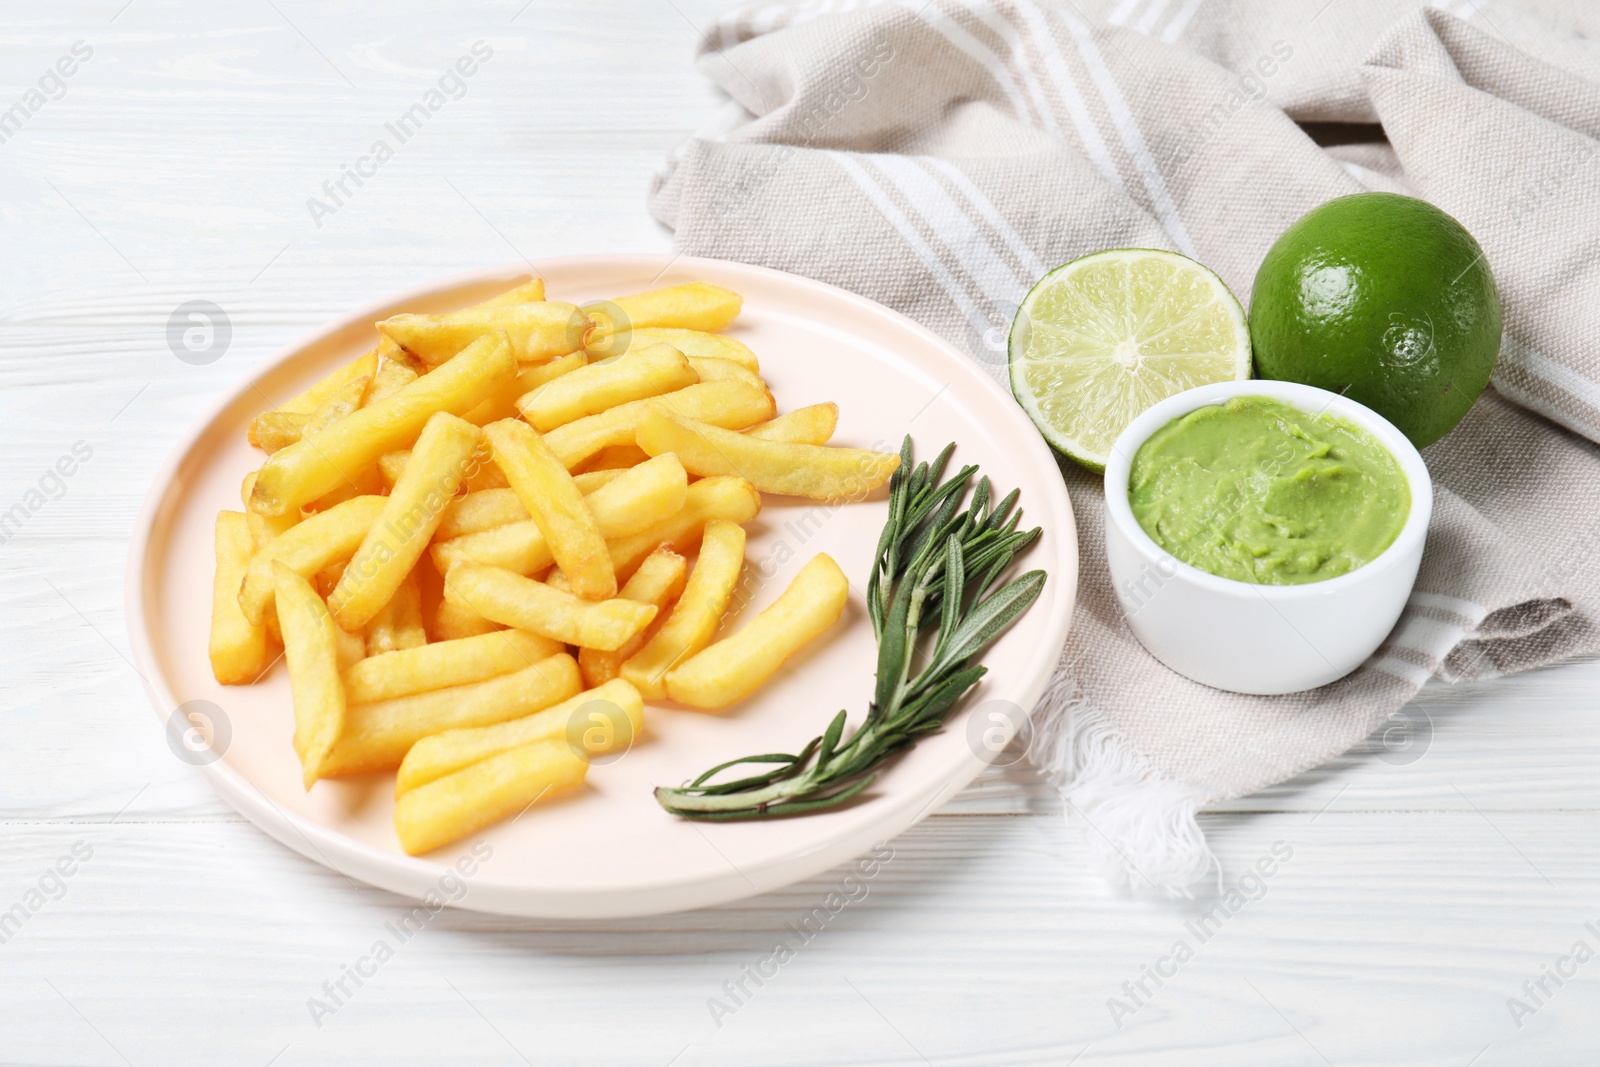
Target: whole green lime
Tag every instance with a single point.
(1383, 298)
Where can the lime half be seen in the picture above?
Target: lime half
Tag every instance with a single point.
(1101, 339)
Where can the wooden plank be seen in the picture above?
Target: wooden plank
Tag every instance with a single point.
(981, 940)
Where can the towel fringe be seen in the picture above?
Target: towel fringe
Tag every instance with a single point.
(1141, 826)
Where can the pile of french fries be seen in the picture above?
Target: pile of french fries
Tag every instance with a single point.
(471, 544)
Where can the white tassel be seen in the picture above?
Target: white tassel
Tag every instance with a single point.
(1140, 825)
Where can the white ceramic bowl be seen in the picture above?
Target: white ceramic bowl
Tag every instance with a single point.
(1262, 639)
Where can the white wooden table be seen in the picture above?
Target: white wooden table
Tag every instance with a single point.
(1419, 896)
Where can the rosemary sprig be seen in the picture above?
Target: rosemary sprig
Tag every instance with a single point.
(936, 568)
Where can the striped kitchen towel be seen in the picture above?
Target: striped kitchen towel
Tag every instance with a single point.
(940, 155)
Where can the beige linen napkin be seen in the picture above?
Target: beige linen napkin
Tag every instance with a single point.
(939, 156)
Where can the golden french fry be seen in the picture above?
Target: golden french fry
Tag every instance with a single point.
(639, 497)
(239, 649)
(594, 722)
(721, 370)
(551, 497)
(658, 581)
(528, 292)
(262, 528)
(732, 668)
(452, 621)
(310, 646)
(731, 499)
(812, 425)
(377, 735)
(643, 372)
(398, 624)
(696, 344)
(699, 610)
(482, 510)
(273, 431)
(530, 376)
(313, 466)
(507, 597)
(729, 404)
(815, 471)
(635, 501)
(410, 515)
(340, 403)
(309, 546)
(363, 366)
(695, 306)
(537, 331)
(392, 377)
(443, 664)
(503, 785)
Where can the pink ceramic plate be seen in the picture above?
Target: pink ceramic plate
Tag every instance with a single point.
(607, 849)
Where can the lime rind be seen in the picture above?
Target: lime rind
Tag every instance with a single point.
(1102, 338)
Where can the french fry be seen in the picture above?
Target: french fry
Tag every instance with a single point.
(306, 548)
(812, 471)
(453, 621)
(696, 344)
(530, 376)
(634, 502)
(411, 513)
(695, 617)
(551, 497)
(509, 598)
(482, 510)
(341, 402)
(273, 431)
(812, 425)
(311, 467)
(527, 292)
(444, 664)
(732, 668)
(311, 649)
(503, 785)
(398, 624)
(262, 528)
(658, 581)
(377, 735)
(363, 366)
(537, 331)
(695, 306)
(392, 377)
(594, 722)
(643, 372)
(730, 404)
(239, 649)
(720, 370)
(730, 499)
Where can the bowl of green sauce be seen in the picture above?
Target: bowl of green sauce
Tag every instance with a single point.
(1263, 536)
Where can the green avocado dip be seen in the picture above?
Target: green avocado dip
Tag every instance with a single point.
(1259, 491)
